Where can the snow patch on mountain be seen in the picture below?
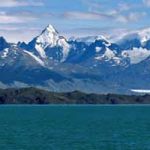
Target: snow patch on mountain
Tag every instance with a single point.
(136, 55)
(66, 48)
(40, 50)
(142, 91)
(98, 49)
(5, 53)
(35, 58)
(144, 34)
(109, 53)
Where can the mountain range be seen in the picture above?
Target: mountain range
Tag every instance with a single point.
(91, 64)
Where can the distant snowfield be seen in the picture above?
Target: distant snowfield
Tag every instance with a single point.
(137, 54)
(140, 91)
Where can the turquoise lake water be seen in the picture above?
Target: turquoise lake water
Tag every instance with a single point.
(74, 127)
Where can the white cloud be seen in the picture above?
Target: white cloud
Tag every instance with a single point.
(16, 3)
(7, 18)
(84, 15)
(92, 5)
(124, 7)
(122, 19)
(109, 32)
(15, 34)
(131, 17)
(146, 3)
(111, 15)
(136, 16)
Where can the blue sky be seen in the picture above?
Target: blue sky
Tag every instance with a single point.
(24, 19)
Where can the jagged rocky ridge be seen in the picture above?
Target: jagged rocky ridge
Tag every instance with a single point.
(89, 64)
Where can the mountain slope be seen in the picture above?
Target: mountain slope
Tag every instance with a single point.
(90, 64)
(3, 44)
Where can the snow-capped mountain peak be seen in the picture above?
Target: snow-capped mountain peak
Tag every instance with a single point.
(48, 37)
(3, 43)
(50, 28)
(50, 45)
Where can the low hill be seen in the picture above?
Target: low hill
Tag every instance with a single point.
(38, 96)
